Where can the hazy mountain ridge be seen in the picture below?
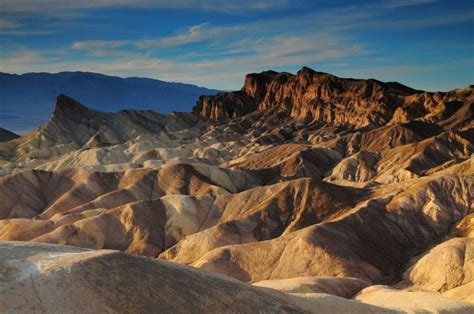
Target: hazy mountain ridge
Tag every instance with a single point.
(303, 183)
(26, 99)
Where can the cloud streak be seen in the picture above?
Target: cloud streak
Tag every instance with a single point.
(99, 46)
(193, 34)
(407, 3)
(43, 6)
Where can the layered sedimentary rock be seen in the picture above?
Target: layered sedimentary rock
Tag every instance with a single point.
(303, 183)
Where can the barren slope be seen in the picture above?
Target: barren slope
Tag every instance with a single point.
(305, 183)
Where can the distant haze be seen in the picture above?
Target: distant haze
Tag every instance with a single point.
(26, 101)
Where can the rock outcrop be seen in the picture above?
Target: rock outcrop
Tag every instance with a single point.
(311, 95)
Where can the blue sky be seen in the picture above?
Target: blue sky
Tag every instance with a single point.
(426, 44)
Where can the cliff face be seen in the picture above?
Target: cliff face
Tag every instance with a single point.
(311, 95)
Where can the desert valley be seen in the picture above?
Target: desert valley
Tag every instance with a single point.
(300, 192)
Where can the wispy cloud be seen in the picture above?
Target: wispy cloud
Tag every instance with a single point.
(247, 47)
(56, 13)
(407, 3)
(259, 54)
(39, 6)
(227, 50)
(12, 26)
(99, 44)
(328, 23)
(193, 34)
(19, 60)
(9, 24)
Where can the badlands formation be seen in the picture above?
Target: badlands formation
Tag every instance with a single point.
(297, 193)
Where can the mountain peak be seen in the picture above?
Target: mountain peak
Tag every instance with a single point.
(65, 105)
(6, 135)
(75, 124)
(305, 71)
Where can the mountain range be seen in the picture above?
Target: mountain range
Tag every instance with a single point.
(26, 100)
(299, 192)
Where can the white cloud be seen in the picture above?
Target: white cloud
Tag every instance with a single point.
(193, 34)
(99, 44)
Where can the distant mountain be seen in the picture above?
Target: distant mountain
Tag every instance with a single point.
(27, 100)
(6, 135)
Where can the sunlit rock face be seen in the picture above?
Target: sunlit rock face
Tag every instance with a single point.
(311, 95)
(304, 183)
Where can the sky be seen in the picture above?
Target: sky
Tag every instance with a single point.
(426, 44)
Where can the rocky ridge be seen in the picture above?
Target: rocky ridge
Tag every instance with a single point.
(311, 95)
(6, 135)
